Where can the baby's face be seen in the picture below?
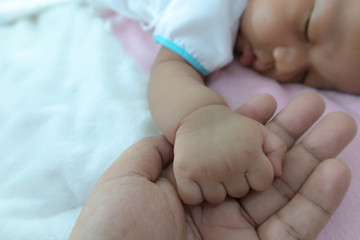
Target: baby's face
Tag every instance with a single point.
(315, 42)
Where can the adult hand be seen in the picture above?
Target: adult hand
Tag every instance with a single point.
(135, 199)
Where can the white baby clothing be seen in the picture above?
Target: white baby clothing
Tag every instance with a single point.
(202, 32)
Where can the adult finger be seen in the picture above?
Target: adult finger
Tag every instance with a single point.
(297, 117)
(260, 108)
(145, 158)
(326, 140)
(312, 207)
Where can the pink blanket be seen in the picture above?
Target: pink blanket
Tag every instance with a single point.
(237, 84)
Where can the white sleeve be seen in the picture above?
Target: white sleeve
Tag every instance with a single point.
(202, 32)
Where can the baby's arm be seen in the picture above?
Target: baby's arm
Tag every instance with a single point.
(175, 90)
(217, 151)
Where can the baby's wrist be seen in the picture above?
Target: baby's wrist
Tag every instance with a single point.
(202, 116)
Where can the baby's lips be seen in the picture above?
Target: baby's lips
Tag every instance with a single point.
(248, 56)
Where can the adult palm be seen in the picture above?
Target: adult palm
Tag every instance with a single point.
(136, 198)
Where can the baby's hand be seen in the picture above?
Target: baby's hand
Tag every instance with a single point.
(219, 152)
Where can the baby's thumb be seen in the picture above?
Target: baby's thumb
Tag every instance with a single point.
(275, 149)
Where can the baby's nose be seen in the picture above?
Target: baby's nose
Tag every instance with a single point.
(290, 60)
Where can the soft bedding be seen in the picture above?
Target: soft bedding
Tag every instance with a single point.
(73, 97)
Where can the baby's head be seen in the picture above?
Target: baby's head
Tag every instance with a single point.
(315, 42)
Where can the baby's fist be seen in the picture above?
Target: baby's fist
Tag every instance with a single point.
(219, 152)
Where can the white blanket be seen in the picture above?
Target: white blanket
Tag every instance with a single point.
(71, 101)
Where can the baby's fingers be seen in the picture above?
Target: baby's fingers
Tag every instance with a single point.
(274, 149)
(213, 192)
(189, 191)
(260, 174)
(192, 192)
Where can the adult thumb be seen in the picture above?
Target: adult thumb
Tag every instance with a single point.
(146, 158)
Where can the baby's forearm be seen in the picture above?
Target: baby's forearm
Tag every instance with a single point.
(175, 90)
